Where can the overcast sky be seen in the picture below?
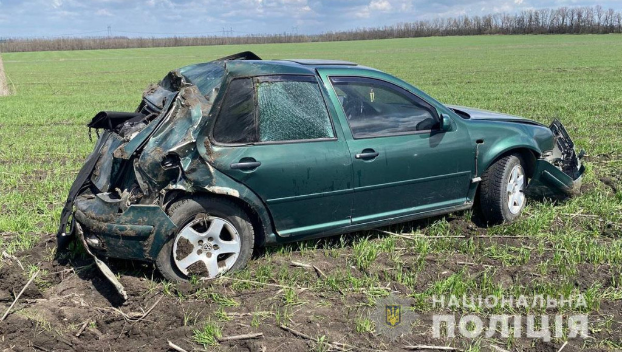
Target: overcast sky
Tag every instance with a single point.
(158, 18)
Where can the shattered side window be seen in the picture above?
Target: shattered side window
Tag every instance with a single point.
(292, 108)
(236, 120)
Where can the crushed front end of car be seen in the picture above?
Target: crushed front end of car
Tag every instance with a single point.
(558, 173)
(115, 207)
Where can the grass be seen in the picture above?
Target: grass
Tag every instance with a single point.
(208, 335)
(572, 247)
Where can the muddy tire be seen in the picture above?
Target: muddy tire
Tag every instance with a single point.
(501, 197)
(213, 236)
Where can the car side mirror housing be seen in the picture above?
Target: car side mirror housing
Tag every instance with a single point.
(445, 123)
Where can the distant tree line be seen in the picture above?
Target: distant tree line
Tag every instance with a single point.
(563, 20)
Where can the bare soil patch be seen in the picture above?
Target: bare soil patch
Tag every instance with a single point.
(71, 307)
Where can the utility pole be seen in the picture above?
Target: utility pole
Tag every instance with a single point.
(109, 31)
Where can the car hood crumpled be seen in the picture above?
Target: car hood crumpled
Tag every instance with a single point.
(478, 114)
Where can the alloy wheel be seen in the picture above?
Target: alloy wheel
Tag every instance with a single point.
(206, 247)
(515, 186)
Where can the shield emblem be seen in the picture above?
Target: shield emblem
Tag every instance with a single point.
(393, 315)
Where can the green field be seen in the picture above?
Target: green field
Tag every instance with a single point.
(571, 247)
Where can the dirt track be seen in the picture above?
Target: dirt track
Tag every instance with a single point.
(4, 86)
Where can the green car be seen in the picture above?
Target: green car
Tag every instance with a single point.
(225, 156)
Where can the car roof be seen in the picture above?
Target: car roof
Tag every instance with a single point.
(240, 68)
(247, 64)
(321, 62)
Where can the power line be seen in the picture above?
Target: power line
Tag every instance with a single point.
(81, 33)
(227, 33)
(169, 33)
(107, 32)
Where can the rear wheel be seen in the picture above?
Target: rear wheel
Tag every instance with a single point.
(502, 196)
(213, 236)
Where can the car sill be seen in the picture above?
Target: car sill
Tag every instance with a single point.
(397, 214)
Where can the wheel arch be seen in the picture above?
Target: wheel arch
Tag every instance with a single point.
(488, 197)
(528, 154)
(259, 216)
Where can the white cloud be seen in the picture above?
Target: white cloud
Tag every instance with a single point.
(179, 17)
(103, 12)
(373, 8)
(362, 14)
(380, 5)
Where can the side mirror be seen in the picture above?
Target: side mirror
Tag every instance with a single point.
(445, 123)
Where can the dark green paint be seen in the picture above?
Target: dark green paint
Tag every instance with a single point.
(302, 189)
(137, 233)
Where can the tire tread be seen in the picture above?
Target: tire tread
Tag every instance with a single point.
(491, 188)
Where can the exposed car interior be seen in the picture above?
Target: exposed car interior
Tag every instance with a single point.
(373, 110)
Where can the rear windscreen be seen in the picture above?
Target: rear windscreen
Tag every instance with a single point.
(205, 76)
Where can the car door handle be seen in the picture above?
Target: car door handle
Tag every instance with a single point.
(246, 165)
(367, 154)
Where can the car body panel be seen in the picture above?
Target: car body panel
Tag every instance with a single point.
(302, 190)
(498, 138)
(479, 114)
(138, 233)
(307, 189)
(413, 172)
(294, 176)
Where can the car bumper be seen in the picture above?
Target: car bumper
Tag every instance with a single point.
(559, 172)
(136, 232)
(549, 181)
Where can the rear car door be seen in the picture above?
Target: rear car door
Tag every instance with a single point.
(275, 135)
(403, 163)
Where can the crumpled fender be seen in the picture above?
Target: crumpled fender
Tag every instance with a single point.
(175, 156)
(547, 179)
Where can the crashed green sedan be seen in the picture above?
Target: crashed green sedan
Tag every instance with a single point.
(225, 156)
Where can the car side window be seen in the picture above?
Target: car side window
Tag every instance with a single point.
(376, 108)
(273, 109)
(291, 108)
(236, 120)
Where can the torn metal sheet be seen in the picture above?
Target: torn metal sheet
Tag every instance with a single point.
(101, 265)
(560, 171)
(141, 161)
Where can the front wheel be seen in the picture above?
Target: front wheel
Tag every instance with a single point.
(502, 196)
(213, 236)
